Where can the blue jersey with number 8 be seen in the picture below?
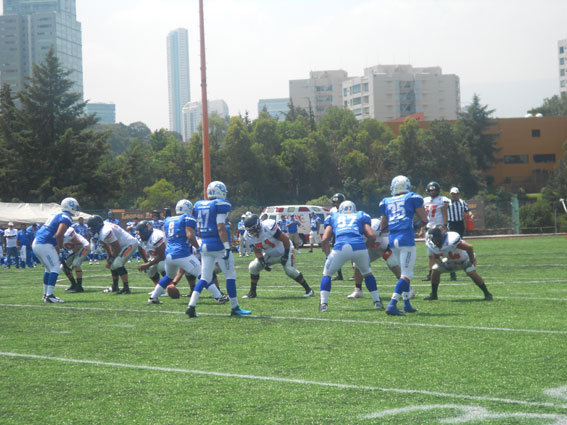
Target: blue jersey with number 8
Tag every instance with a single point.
(175, 230)
(400, 210)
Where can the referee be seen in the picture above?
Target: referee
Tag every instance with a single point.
(456, 213)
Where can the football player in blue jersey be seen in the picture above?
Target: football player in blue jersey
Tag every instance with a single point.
(49, 241)
(397, 214)
(180, 233)
(215, 246)
(348, 226)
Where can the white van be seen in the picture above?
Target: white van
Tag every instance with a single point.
(301, 213)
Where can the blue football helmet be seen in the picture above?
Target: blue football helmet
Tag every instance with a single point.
(217, 190)
(400, 184)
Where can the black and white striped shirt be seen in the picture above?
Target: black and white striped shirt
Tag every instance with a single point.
(457, 210)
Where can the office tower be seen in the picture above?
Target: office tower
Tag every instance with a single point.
(177, 76)
(277, 108)
(317, 93)
(388, 92)
(193, 115)
(562, 47)
(28, 29)
(106, 112)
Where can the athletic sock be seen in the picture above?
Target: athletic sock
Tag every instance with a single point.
(214, 290)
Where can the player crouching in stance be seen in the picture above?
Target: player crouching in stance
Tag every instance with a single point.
(180, 231)
(348, 226)
(78, 248)
(277, 248)
(152, 250)
(119, 245)
(452, 254)
(49, 241)
(215, 246)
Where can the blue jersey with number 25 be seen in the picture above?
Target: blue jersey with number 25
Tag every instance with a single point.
(175, 230)
(348, 229)
(206, 213)
(400, 210)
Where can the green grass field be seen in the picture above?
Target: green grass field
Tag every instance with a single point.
(112, 359)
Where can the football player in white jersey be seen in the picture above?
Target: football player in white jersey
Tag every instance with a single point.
(120, 246)
(436, 207)
(271, 246)
(75, 250)
(380, 249)
(452, 254)
(151, 247)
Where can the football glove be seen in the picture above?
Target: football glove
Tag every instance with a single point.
(226, 254)
(264, 265)
(285, 257)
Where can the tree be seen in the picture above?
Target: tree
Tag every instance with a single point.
(159, 194)
(552, 107)
(475, 131)
(55, 144)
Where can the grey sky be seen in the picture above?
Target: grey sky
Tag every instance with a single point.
(504, 50)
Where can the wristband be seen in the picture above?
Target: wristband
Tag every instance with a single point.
(226, 245)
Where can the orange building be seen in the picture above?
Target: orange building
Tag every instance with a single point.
(529, 150)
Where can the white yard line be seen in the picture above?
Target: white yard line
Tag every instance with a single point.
(401, 321)
(284, 380)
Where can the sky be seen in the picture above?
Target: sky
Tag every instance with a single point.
(503, 50)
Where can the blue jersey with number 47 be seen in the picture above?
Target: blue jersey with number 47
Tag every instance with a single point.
(206, 213)
(348, 229)
(175, 229)
(400, 210)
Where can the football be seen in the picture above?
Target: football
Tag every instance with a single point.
(173, 292)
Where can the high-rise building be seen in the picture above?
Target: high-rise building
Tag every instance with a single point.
(320, 91)
(106, 112)
(193, 115)
(562, 47)
(28, 29)
(277, 108)
(177, 76)
(388, 92)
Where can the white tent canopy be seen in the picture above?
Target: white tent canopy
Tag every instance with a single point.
(19, 213)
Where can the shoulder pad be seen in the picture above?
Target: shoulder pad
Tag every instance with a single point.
(453, 238)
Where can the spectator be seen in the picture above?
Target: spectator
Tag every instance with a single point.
(112, 219)
(282, 224)
(292, 229)
(315, 230)
(11, 240)
(243, 248)
(156, 221)
(456, 213)
(25, 241)
(2, 248)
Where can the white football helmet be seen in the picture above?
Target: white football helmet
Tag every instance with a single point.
(248, 214)
(347, 207)
(184, 206)
(400, 184)
(70, 205)
(217, 190)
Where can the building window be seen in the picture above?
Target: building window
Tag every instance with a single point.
(357, 111)
(547, 157)
(356, 101)
(561, 50)
(561, 61)
(356, 89)
(562, 72)
(536, 132)
(365, 99)
(366, 111)
(365, 86)
(562, 83)
(345, 91)
(346, 103)
(516, 159)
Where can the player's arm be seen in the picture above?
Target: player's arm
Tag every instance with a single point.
(285, 240)
(60, 234)
(326, 240)
(445, 215)
(190, 234)
(144, 256)
(469, 249)
(370, 235)
(422, 214)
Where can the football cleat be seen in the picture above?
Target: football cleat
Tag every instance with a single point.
(393, 310)
(237, 311)
(124, 291)
(52, 299)
(75, 290)
(223, 299)
(70, 288)
(191, 312)
(250, 294)
(431, 297)
(488, 297)
(309, 294)
(323, 307)
(154, 301)
(356, 294)
(408, 308)
(378, 305)
(337, 278)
